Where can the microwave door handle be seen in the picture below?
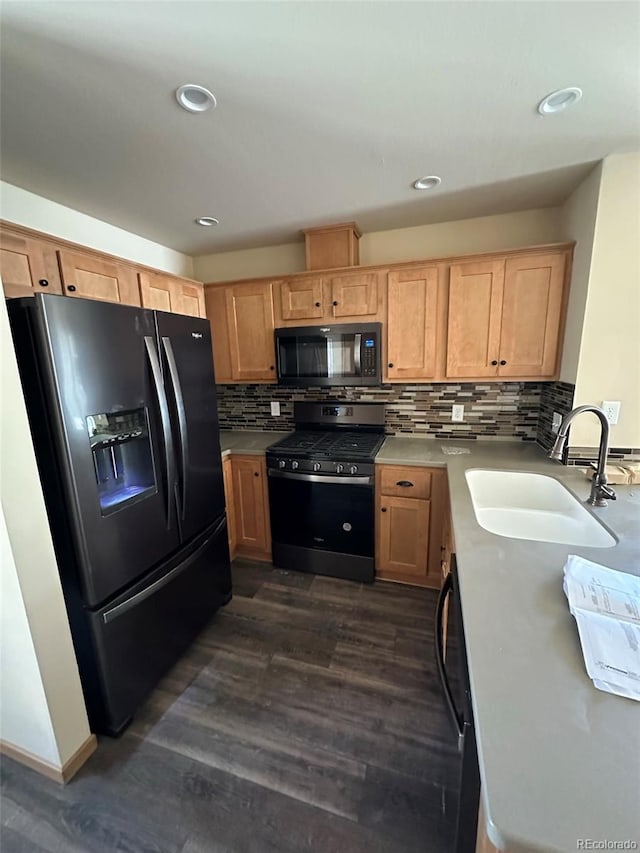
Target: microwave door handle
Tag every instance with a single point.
(357, 340)
(446, 589)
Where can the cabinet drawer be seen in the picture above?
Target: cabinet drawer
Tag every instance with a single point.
(405, 482)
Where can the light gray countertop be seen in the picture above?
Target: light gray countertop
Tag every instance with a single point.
(559, 759)
(249, 442)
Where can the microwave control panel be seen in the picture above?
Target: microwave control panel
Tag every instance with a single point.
(369, 356)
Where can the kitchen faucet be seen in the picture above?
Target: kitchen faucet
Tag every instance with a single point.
(599, 489)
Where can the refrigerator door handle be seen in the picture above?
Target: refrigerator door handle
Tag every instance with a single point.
(182, 417)
(119, 609)
(456, 717)
(154, 361)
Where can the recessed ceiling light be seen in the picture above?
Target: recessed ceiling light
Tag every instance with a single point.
(558, 101)
(427, 183)
(207, 221)
(194, 98)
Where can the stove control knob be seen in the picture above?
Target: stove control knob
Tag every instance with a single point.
(294, 465)
(316, 466)
(339, 469)
(281, 463)
(353, 469)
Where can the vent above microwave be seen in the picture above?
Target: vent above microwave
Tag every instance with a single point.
(331, 246)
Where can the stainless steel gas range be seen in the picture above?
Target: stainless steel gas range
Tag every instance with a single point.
(321, 489)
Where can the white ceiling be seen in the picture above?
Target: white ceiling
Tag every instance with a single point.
(327, 111)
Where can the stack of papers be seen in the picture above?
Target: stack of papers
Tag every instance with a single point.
(606, 606)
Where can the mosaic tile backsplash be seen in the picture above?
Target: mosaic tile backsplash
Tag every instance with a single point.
(497, 410)
(555, 397)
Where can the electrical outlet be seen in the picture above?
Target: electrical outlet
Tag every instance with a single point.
(611, 408)
(457, 414)
(557, 420)
(275, 408)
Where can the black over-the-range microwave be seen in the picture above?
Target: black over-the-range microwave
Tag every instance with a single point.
(340, 354)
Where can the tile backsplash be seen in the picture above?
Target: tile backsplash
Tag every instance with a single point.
(496, 410)
(555, 397)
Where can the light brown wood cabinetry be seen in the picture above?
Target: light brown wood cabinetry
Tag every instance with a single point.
(216, 311)
(410, 511)
(28, 266)
(354, 296)
(301, 299)
(412, 324)
(91, 277)
(169, 293)
(250, 325)
(251, 507)
(505, 317)
(531, 315)
(332, 246)
(227, 475)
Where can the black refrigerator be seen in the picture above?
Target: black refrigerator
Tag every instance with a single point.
(123, 414)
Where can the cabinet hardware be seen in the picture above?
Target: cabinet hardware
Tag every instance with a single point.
(383, 509)
(503, 362)
(43, 282)
(494, 362)
(71, 288)
(317, 304)
(334, 302)
(271, 367)
(256, 473)
(406, 484)
(390, 364)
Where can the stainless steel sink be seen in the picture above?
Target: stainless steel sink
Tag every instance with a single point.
(533, 506)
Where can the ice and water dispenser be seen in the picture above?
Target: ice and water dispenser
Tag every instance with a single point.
(122, 457)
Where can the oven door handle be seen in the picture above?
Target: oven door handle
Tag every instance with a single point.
(321, 478)
(456, 717)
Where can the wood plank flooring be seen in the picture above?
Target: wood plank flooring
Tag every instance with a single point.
(306, 717)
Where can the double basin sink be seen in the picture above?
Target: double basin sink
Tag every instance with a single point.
(521, 505)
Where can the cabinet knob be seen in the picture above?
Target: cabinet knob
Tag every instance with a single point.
(334, 302)
(271, 367)
(71, 288)
(390, 364)
(494, 362)
(256, 473)
(383, 509)
(503, 362)
(43, 282)
(317, 304)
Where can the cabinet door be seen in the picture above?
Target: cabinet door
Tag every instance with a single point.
(403, 538)
(301, 299)
(93, 278)
(190, 298)
(531, 312)
(27, 266)
(216, 312)
(253, 535)
(227, 474)
(411, 324)
(158, 292)
(251, 325)
(354, 295)
(475, 307)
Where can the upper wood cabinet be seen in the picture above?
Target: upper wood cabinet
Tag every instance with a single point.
(169, 293)
(216, 310)
(301, 299)
(92, 277)
(505, 317)
(531, 315)
(250, 323)
(27, 266)
(354, 296)
(412, 317)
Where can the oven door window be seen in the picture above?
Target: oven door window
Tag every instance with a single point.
(318, 357)
(330, 517)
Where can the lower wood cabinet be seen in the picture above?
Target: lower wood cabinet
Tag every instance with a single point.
(250, 502)
(227, 475)
(410, 512)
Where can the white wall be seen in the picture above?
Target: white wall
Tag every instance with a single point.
(33, 211)
(609, 362)
(465, 236)
(578, 218)
(24, 713)
(33, 569)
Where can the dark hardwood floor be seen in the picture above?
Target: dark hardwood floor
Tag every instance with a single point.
(306, 717)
